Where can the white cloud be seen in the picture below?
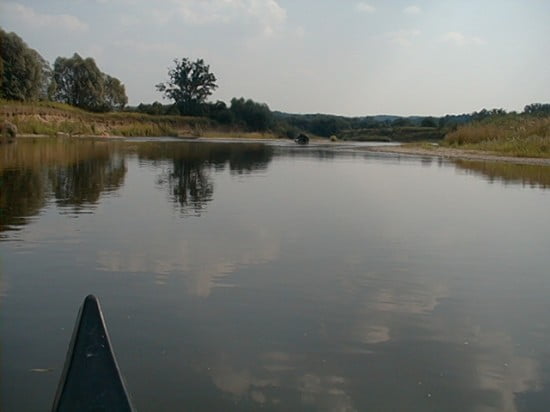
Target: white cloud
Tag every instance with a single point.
(413, 9)
(364, 7)
(403, 37)
(460, 40)
(29, 17)
(268, 14)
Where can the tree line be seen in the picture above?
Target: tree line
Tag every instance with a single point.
(77, 81)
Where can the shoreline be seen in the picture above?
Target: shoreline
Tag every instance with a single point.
(398, 150)
(452, 153)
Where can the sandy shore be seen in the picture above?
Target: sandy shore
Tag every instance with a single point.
(450, 153)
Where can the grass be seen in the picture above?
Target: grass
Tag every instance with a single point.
(144, 129)
(50, 118)
(511, 135)
(37, 126)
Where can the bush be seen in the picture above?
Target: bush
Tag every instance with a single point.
(9, 130)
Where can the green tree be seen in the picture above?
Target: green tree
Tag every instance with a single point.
(428, 122)
(328, 125)
(537, 109)
(25, 75)
(220, 113)
(255, 116)
(115, 93)
(189, 85)
(402, 122)
(79, 82)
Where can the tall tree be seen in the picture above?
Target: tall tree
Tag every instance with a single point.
(255, 116)
(189, 85)
(115, 93)
(25, 75)
(79, 82)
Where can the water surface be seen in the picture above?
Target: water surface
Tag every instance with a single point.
(252, 276)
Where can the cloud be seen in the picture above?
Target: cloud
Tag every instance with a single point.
(268, 14)
(403, 37)
(205, 268)
(413, 9)
(29, 17)
(372, 334)
(364, 7)
(460, 40)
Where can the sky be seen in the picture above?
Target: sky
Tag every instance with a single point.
(353, 58)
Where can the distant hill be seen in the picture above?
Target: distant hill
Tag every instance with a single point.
(379, 118)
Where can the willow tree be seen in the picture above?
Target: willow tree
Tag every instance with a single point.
(25, 75)
(80, 83)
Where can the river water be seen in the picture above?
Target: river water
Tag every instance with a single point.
(276, 277)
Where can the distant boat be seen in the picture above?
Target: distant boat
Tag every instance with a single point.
(91, 379)
(302, 139)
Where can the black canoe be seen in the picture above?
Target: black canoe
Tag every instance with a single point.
(91, 379)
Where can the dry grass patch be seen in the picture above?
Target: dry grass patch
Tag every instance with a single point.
(513, 135)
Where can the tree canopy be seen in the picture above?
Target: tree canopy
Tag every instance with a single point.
(255, 116)
(25, 75)
(537, 109)
(189, 85)
(79, 82)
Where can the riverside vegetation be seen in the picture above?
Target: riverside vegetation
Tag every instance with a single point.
(75, 98)
(523, 135)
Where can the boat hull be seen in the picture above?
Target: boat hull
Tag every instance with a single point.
(91, 379)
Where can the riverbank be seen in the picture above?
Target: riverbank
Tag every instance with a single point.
(453, 153)
(56, 119)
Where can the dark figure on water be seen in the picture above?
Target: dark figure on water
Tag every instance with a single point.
(302, 139)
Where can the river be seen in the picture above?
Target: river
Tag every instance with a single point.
(247, 276)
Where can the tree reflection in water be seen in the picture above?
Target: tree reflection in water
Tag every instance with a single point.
(22, 195)
(187, 176)
(80, 185)
(74, 173)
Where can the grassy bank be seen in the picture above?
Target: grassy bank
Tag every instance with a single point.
(48, 118)
(511, 135)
